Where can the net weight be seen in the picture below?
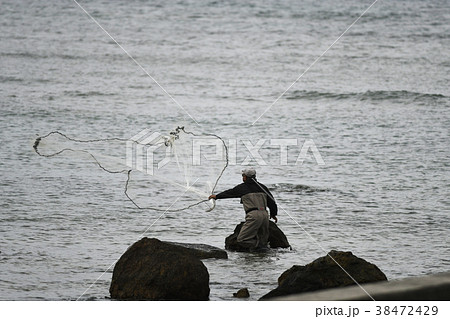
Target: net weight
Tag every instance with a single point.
(407, 310)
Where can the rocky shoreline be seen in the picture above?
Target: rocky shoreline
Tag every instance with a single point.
(156, 270)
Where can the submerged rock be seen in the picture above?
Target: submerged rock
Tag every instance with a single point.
(202, 251)
(277, 239)
(154, 270)
(326, 272)
(242, 293)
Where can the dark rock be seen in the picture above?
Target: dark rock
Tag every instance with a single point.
(154, 270)
(277, 239)
(242, 293)
(324, 273)
(202, 251)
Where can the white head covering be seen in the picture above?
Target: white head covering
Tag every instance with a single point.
(249, 172)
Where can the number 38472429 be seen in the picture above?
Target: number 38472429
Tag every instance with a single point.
(407, 310)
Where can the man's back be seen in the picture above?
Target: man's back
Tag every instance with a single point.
(252, 186)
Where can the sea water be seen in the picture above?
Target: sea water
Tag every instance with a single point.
(372, 99)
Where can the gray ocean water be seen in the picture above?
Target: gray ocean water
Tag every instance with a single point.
(376, 105)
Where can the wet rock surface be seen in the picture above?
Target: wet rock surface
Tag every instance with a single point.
(327, 272)
(154, 270)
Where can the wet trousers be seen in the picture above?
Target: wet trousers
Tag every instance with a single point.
(255, 231)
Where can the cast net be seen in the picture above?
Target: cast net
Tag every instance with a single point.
(163, 172)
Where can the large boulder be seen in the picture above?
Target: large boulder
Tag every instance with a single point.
(154, 270)
(277, 239)
(326, 272)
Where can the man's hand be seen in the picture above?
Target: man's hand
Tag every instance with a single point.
(212, 196)
(274, 218)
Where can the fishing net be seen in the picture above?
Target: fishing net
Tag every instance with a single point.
(164, 172)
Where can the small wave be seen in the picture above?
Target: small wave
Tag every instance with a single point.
(391, 15)
(429, 35)
(368, 95)
(316, 95)
(27, 55)
(36, 56)
(328, 14)
(299, 188)
(268, 14)
(87, 94)
(4, 79)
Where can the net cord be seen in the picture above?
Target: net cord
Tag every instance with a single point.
(174, 136)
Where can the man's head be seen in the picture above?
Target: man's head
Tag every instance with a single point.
(248, 173)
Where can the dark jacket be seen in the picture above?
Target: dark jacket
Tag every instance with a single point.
(248, 187)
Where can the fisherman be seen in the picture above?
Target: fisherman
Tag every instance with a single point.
(255, 197)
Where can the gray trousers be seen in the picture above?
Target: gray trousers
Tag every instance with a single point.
(255, 231)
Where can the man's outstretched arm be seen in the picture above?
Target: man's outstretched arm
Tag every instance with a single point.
(234, 192)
